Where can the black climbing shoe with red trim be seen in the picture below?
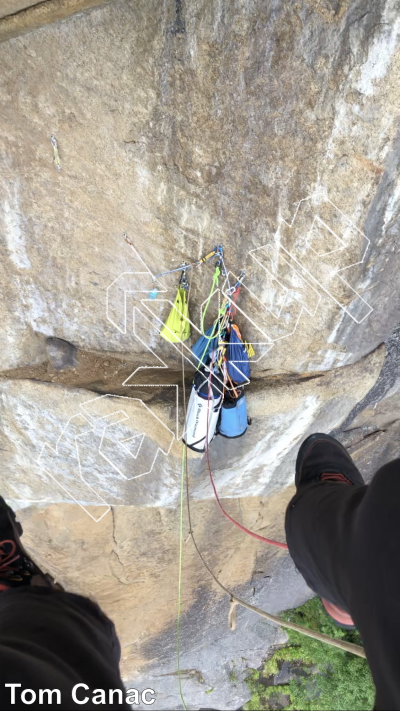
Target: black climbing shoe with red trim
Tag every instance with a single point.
(322, 458)
(16, 566)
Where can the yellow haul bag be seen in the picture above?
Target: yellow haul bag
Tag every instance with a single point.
(177, 325)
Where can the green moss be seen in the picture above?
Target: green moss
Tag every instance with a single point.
(343, 681)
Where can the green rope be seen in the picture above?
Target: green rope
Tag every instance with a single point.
(209, 338)
(178, 621)
(217, 273)
(217, 321)
(216, 276)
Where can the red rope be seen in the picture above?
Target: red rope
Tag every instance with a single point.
(270, 541)
(232, 308)
(7, 559)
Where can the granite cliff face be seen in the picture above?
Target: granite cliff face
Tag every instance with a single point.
(271, 128)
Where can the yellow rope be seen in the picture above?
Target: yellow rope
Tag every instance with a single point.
(178, 621)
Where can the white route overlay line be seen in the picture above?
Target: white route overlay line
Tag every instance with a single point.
(93, 422)
(273, 340)
(155, 281)
(332, 251)
(126, 292)
(342, 269)
(126, 417)
(48, 472)
(151, 385)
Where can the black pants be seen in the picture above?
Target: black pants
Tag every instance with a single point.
(56, 640)
(345, 541)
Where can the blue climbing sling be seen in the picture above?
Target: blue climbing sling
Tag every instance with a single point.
(237, 365)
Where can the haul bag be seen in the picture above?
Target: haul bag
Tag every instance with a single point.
(200, 409)
(205, 344)
(233, 418)
(177, 326)
(208, 385)
(238, 365)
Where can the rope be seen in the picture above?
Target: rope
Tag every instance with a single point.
(234, 600)
(221, 321)
(209, 338)
(214, 284)
(7, 559)
(270, 541)
(179, 617)
(226, 272)
(218, 321)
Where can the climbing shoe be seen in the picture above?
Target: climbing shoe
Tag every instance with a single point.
(16, 567)
(322, 458)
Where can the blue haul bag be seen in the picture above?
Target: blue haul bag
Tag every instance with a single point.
(233, 420)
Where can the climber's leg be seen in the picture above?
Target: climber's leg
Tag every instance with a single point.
(344, 538)
(328, 483)
(50, 639)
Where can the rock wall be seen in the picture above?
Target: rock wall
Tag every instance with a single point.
(10, 7)
(371, 431)
(271, 128)
(187, 138)
(18, 17)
